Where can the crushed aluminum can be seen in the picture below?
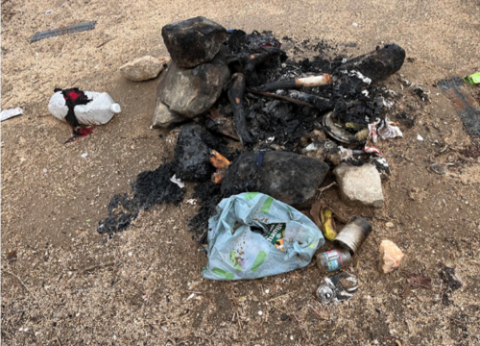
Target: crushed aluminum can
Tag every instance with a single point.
(337, 288)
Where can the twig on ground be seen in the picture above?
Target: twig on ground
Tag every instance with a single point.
(19, 280)
(283, 295)
(97, 266)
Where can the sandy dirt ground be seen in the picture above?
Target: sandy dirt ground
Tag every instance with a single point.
(64, 284)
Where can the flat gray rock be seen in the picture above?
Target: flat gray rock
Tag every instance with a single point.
(193, 41)
(360, 185)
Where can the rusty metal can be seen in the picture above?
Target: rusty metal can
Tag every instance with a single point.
(353, 234)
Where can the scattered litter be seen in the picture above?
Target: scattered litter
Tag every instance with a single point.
(84, 155)
(242, 233)
(82, 109)
(63, 31)
(337, 288)
(390, 256)
(355, 24)
(10, 113)
(438, 168)
(417, 90)
(419, 281)
(353, 234)
(419, 138)
(177, 181)
(78, 107)
(192, 201)
(332, 260)
(190, 296)
(453, 282)
(360, 76)
(451, 279)
(467, 108)
(473, 78)
(328, 224)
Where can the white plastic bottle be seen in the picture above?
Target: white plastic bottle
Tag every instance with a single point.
(99, 111)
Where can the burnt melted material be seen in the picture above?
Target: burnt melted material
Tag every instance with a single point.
(150, 188)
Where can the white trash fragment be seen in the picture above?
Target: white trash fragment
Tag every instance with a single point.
(192, 201)
(359, 75)
(190, 296)
(84, 155)
(419, 138)
(383, 129)
(100, 110)
(10, 113)
(177, 181)
(387, 130)
(355, 25)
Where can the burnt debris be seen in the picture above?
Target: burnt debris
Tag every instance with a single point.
(242, 87)
(150, 188)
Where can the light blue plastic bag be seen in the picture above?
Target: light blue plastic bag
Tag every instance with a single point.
(238, 247)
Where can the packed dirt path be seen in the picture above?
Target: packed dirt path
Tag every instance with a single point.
(64, 284)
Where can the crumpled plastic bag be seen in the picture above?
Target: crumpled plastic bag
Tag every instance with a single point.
(253, 236)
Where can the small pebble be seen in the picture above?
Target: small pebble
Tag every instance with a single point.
(419, 138)
(260, 313)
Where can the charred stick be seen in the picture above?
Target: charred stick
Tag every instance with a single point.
(306, 82)
(248, 63)
(378, 64)
(321, 103)
(236, 92)
(254, 60)
(280, 97)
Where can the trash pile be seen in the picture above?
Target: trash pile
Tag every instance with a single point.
(261, 134)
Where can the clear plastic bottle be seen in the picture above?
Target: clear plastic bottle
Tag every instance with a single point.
(332, 260)
(99, 111)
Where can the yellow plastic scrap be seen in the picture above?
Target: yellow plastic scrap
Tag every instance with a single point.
(328, 225)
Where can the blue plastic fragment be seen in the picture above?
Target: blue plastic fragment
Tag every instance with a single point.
(63, 31)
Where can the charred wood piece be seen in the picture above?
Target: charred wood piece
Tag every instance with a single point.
(377, 65)
(236, 91)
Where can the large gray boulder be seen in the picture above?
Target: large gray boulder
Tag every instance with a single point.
(193, 41)
(163, 117)
(288, 177)
(359, 185)
(191, 92)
